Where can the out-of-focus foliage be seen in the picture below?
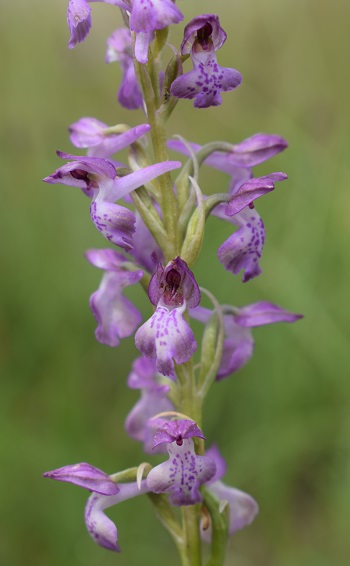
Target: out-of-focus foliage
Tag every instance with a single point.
(283, 422)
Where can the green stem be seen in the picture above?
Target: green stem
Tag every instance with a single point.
(219, 529)
(187, 398)
(190, 522)
(168, 203)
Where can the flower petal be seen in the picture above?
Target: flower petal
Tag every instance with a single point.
(86, 476)
(138, 424)
(100, 527)
(182, 475)
(149, 15)
(86, 132)
(166, 336)
(79, 21)
(257, 149)
(115, 222)
(251, 190)
(116, 316)
(243, 508)
(142, 43)
(220, 463)
(238, 349)
(125, 185)
(258, 314)
(243, 249)
(145, 246)
(90, 133)
(173, 285)
(176, 431)
(218, 35)
(206, 81)
(107, 259)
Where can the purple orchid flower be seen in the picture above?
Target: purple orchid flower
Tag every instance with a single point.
(203, 36)
(166, 336)
(97, 177)
(153, 400)
(184, 472)
(105, 494)
(244, 248)
(116, 316)
(147, 16)
(119, 49)
(242, 507)
(239, 342)
(95, 135)
(79, 18)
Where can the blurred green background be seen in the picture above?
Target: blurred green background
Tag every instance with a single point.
(282, 422)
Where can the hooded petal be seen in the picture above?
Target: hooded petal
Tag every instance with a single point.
(176, 431)
(116, 316)
(174, 285)
(100, 527)
(252, 189)
(83, 172)
(217, 35)
(182, 475)
(86, 476)
(166, 336)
